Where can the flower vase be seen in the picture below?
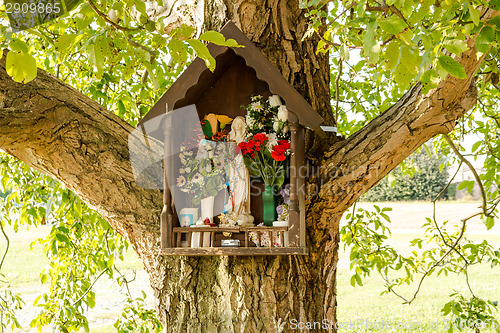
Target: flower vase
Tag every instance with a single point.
(207, 208)
(207, 211)
(269, 206)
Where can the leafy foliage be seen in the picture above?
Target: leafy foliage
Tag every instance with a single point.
(81, 245)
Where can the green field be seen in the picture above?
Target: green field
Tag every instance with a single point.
(357, 306)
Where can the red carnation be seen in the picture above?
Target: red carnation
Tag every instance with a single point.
(284, 143)
(279, 149)
(260, 137)
(257, 144)
(277, 157)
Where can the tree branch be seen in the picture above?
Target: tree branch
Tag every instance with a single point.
(353, 166)
(106, 18)
(473, 170)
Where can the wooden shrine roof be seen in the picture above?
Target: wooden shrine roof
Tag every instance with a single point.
(197, 79)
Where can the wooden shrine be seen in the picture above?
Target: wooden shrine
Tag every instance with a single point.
(240, 73)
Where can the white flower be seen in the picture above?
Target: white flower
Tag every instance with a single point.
(181, 170)
(256, 106)
(250, 121)
(197, 178)
(273, 141)
(208, 168)
(187, 169)
(274, 100)
(276, 126)
(282, 113)
(256, 98)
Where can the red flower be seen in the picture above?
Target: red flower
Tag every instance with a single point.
(284, 143)
(260, 137)
(258, 145)
(277, 157)
(246, 148)
(279, 149)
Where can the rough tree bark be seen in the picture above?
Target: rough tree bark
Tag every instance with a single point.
(56, 130)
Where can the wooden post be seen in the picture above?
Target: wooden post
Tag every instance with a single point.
(166, 214)
(301, 183)
(294, 213)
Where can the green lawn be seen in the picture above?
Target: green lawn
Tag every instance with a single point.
(358, 305)
(366, 305)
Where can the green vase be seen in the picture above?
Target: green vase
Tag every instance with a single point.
(269, 206)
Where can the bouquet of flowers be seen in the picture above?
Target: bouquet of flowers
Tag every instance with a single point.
(267, 117)
(265, 158)
(267, 147)
(202, 161)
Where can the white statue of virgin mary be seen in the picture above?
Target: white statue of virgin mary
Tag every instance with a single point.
(239, 177)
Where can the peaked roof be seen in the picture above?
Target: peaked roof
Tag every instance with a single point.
(198, 76)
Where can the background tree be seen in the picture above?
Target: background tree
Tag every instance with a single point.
(422, 177)
(415, 79)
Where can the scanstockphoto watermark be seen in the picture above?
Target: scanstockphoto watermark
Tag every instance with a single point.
(365, 324)
(328, 181)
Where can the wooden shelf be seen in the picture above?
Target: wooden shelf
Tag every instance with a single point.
(234, 251)
(228, 229)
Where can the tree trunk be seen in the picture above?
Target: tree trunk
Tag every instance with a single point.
(55, 129)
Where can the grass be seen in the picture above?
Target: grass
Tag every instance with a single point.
(366, 305)
(23, 266)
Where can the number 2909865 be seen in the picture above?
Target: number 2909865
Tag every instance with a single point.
(40, 8)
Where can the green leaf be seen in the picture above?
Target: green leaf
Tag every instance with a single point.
(177, 50)
(219, 39)
(463, 185)
(470, 186)
(392, 25)
(21, 66)
(494, 4)
(429, 80)
(344, 52)
(406, 37)
(490, 222)
(202, 52)
(407, 70)
(392, 55)
(456, 46)
(452, 67)
(96, 58)
(62, 238)
(371, 48)
(64, 41)
(487, 34)
(392, 180)
(18, 45)
(474, 14)
(476, 145)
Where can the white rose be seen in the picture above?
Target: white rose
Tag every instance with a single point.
(274, 100)
(276, 126)
(282, 113)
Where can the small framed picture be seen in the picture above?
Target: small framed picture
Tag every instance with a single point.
(188, 216)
